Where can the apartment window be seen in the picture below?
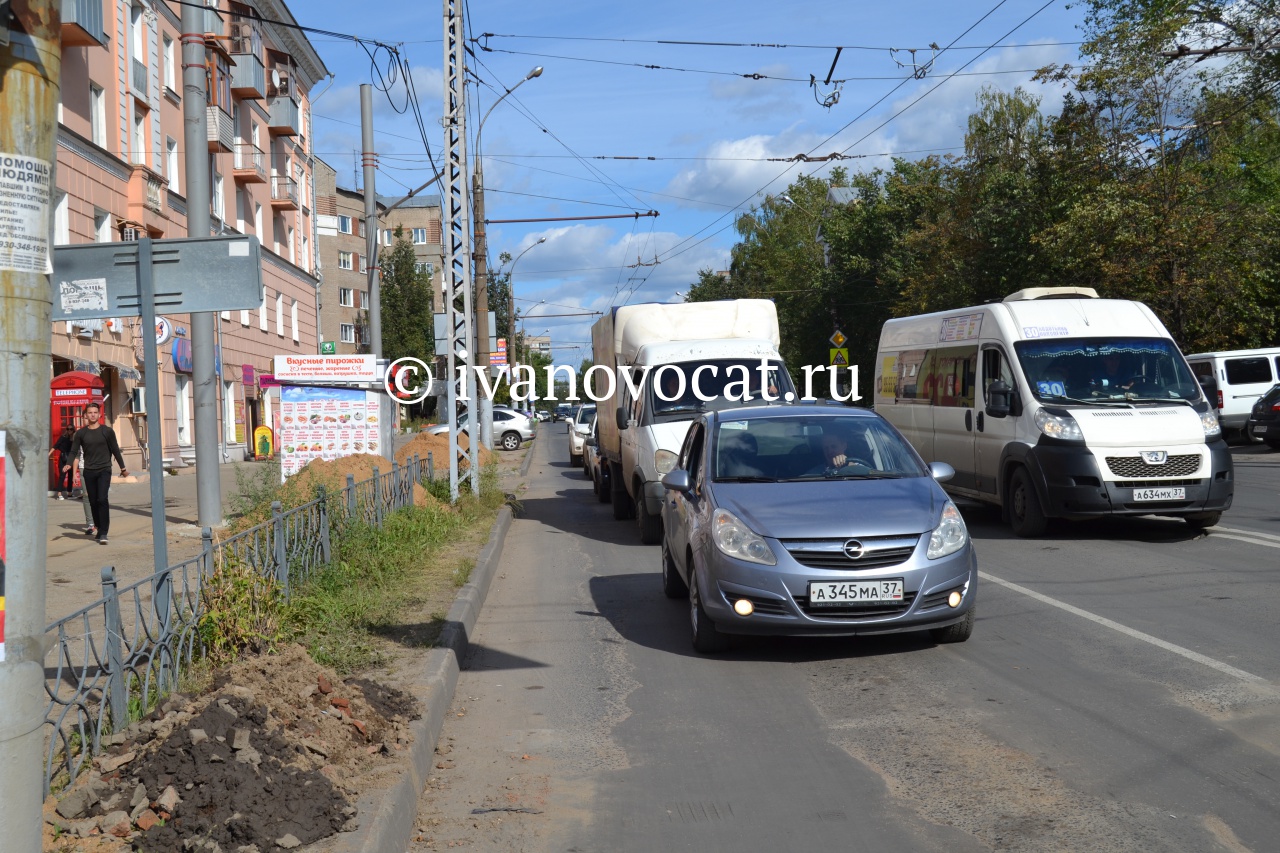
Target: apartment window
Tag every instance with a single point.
(347, 333)
(361, 227)
(240, 207)
(244, 318)
(344, 224)
(345, 299)
(219, 203)
(306, 254)
(257, 220)
(293, 319)
(344, 261)
(419, 236)
(364, 263)
(280, 314)
(226, 315)
(140, 136)
(170, 66)
(137, 34)
(171, 163)
(98, 115)
(293, 255)
(427, 268)
(364, 299)
(262, 313)
(61, 220)
(387, 236)
(101, 226)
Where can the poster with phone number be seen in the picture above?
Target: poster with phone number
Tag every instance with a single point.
(325, 423)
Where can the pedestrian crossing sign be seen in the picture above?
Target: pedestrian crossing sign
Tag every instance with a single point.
(840, 357)
(838, 339)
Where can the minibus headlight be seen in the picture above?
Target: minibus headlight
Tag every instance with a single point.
(950, 535)
(664, 461)
(1209, 420)
(1058, 426)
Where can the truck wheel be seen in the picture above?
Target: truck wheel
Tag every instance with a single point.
(622, 508)
(650, 525)
(1203, 521)
(1025, 514)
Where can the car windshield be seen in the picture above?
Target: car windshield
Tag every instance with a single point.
(810, 447)
(1099, 370)
(585, 414)
(672, 389)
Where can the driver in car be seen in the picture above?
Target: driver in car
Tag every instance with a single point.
(836, 455)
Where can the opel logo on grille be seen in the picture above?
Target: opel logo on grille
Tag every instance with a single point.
(853, 549)
(1155, 457)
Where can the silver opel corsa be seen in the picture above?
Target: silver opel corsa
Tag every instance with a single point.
(813, 520)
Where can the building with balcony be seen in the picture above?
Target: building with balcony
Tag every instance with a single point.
(121, 174)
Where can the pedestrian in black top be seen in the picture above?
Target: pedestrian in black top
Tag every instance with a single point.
(62, 447)
(99, 445)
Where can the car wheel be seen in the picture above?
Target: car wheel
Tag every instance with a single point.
(673, 586)
(1273, 444)
(622, 508)
(650, 525)
(1203, 521)
(602, 477)
(595, 483)
(707, 638)
(1025, 515)
(1248, 435)
(511, 441)
(958, 632)
(575, 459)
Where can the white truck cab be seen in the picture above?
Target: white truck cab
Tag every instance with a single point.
(1055, 403)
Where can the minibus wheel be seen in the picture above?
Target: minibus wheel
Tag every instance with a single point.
(1026, 516)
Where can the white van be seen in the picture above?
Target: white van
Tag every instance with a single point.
(1054, 403)
(1240, 378)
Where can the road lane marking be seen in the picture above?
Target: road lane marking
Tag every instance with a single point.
(1249, 539)
(1242, 532)
(1225, 668)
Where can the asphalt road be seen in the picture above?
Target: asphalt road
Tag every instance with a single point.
(1121, 692)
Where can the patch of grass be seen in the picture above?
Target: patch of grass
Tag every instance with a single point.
(255, 486)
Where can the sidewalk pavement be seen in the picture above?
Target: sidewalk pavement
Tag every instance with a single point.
(75, 561)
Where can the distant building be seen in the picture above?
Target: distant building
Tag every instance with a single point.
(421, 220)
(121, 173)
(540, 344)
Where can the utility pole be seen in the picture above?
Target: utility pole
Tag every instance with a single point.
(204, 324)
(484, 405)
(31, 72)
(371, 219)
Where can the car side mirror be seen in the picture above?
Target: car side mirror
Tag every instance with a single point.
(677, 480)
(590, 442)
(621, 418)
(941, 471)
(998, 400)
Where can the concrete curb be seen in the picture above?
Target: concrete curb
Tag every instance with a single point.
(387, 821)
(528, 458)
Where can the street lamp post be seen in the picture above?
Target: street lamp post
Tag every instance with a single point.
(511, 302)
(482, 268)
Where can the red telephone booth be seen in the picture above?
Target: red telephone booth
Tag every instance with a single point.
(69, 393)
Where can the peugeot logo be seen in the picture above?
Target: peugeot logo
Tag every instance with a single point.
(1155, 457)
(853, 549)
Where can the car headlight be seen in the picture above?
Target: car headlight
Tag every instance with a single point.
(950, 535)
(1058, 426)
(1209, 420)
(664, 461)
(735, 539)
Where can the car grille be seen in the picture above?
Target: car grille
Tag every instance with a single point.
(829, 553)
(857, 611)
(1134, 468)
(1148, 484)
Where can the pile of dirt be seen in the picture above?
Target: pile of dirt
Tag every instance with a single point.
(270, 759)
(333, 476)
(438, 447)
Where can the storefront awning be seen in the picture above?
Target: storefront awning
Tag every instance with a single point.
(122, 371)
(86, 366)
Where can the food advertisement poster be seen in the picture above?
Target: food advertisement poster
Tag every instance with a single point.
(325, 423)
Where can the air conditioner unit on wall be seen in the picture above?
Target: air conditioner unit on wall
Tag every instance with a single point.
(138, 400)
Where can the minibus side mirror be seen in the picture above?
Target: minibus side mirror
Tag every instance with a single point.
(998, 394)
(621, 417)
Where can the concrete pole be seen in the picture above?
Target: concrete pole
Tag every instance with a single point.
(371, 219)
(203, 324)
(31, 68)
(485, 403)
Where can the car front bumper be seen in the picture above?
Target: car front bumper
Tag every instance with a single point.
(780, 594)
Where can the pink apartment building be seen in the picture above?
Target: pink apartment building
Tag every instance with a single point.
(121, 173)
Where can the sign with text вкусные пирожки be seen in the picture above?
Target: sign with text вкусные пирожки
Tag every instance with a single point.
(302, 369)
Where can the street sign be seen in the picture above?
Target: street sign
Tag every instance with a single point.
(94, 281)
(840, 357)
(328, 347)
(838, 339)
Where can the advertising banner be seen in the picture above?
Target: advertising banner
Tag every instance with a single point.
(326, 423)
(326, 368)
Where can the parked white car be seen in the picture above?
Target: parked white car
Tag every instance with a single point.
(596, 470)
(579, 429)
(510, 428)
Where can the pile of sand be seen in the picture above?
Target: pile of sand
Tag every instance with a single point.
(438, 447)
(333, 476)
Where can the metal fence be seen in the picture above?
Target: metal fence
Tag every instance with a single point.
(113, 660)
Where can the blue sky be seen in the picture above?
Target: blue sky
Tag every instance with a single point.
(711, 128)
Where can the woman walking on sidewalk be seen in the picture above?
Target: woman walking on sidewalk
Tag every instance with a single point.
(99, 445)
(62, 447)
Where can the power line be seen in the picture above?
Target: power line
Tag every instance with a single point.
(698, 43)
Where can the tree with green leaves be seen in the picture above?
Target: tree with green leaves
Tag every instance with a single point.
(407, 326)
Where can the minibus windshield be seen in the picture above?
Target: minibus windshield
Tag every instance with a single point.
(1106, 369)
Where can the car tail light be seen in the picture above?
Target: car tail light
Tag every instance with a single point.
(1275, 407)
(1219, 399)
